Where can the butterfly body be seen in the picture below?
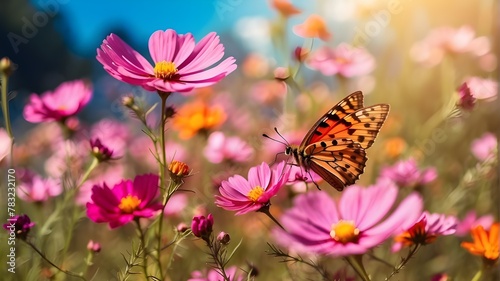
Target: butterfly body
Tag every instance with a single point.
(334, 147)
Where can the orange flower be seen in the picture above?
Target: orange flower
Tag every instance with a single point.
(394, 147)
(486, 243)
(196, 117)
(416, 235)
(285, 8)
(313, 27)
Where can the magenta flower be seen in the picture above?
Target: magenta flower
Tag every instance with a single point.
(345, 60)
(406, 173)
(180, 64)
(202, 227)
(112, 134)
(484, 147)
(243, 196)
(101, 152)
(215, 275)
(126, 201)
(20, 225)
(316, 224)
(34, 188)
(220, 148)
(470, 221)
(482, 89)
(299, 179)
(466, 100)
(66, 100)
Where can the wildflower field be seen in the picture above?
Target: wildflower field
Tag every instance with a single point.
(360, 143)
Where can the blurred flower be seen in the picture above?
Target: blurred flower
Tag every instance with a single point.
(470, 221)
(182, 227)
(180, 64)
(395, 146)
(405, 173)
(426, 230)
(243, 196)
(69, 157)
(255, 66)
(142, 148)
(485, 243)
(466, 100)
(20, 225)
(431, 50)
(215, 275)
(441, 277)
(268, 91)
(34, 188)
(482, 89)
(5, 142)
(223, 238)
(99, 151)
(220, 148)
(299, 178)
(112, 134)
(281, 73)
(313, 27)
(300, 54)
(317, 224)
(484, 147)
(344, 60)
(202, 227)
(66, 100)
(126, 201)
(285, 8)
(197, 117)
(93, 246)
(176, 204)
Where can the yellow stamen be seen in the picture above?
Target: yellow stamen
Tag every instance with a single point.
(165, 70)
(344, 231)
(255, 193)
(129, 204)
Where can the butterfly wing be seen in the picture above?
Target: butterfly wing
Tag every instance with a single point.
(345, 107)
(339, 162)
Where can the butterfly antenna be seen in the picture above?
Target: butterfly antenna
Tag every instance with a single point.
(281, 136)
(273, 139)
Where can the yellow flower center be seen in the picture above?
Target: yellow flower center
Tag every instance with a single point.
(165, 70)
(129, 204)
(255, 193)
(344, 231)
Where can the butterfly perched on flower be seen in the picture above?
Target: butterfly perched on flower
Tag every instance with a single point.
(334, 148)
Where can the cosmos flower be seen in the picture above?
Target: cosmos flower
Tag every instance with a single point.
(406, 173)
(344, 60)
(313, 27)
(299, 179)
(214, 275)
(126, 201)
(316, 224)
(244, 196)
(180, 65)
(34, 188)
(482, 89)
(470, 221)
(484, 147)
(220, 148)
(66, 100)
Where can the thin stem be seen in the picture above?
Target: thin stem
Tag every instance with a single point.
(396, 269)
(143, 246)
(53, 264)
(6, 117)
(478, 275)
(265, 210)
(215, 250)
(380, 260)
(356, 263)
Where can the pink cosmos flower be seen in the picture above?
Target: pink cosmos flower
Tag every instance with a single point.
(316, 224)
(482, 89)
(220, 148)
(70, 156)
(4, 144)
(406, 173)
(65, 101)
(176, 204)
(300, 179)
(344, 60)
(124, 202)
(243, 196)
(430, 227)
(214, 275)
(470, 221)
(484, 147)
(180, 64)
(34, 188)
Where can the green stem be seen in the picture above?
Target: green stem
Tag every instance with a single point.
(265, 210)
(396, 269)
(357, 264)
(143, 246)
(6, 117)
(477, 276)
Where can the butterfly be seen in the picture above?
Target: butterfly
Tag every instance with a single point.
(335, 146)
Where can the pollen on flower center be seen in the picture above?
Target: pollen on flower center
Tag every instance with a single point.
(165, 70)
(255, 193)
(344, 231)
(129, 204)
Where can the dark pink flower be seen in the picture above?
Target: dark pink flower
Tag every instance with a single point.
(126, 201)
(243, 196)
(470, 221)
(215, 275)
(220, 148)
(20, 225)
(100, 151)
(180, 65)
(466, 100)
(65, 101)
(344, 60)
(202, 227)
(93, 246)
(485, 147)
(406, 173)
(316, 224)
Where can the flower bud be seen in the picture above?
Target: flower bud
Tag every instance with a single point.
(182, 227)
(6, 66)
(202, 227)
(281, 73)
(178, 170)
(94, 247)
(20, 225)
(128, 101)
(300, 54)
(223, 238)
(100, 151)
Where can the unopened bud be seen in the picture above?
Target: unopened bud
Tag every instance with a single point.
(94, 246)
(182, 227)
(6, 66)
(223, 238)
